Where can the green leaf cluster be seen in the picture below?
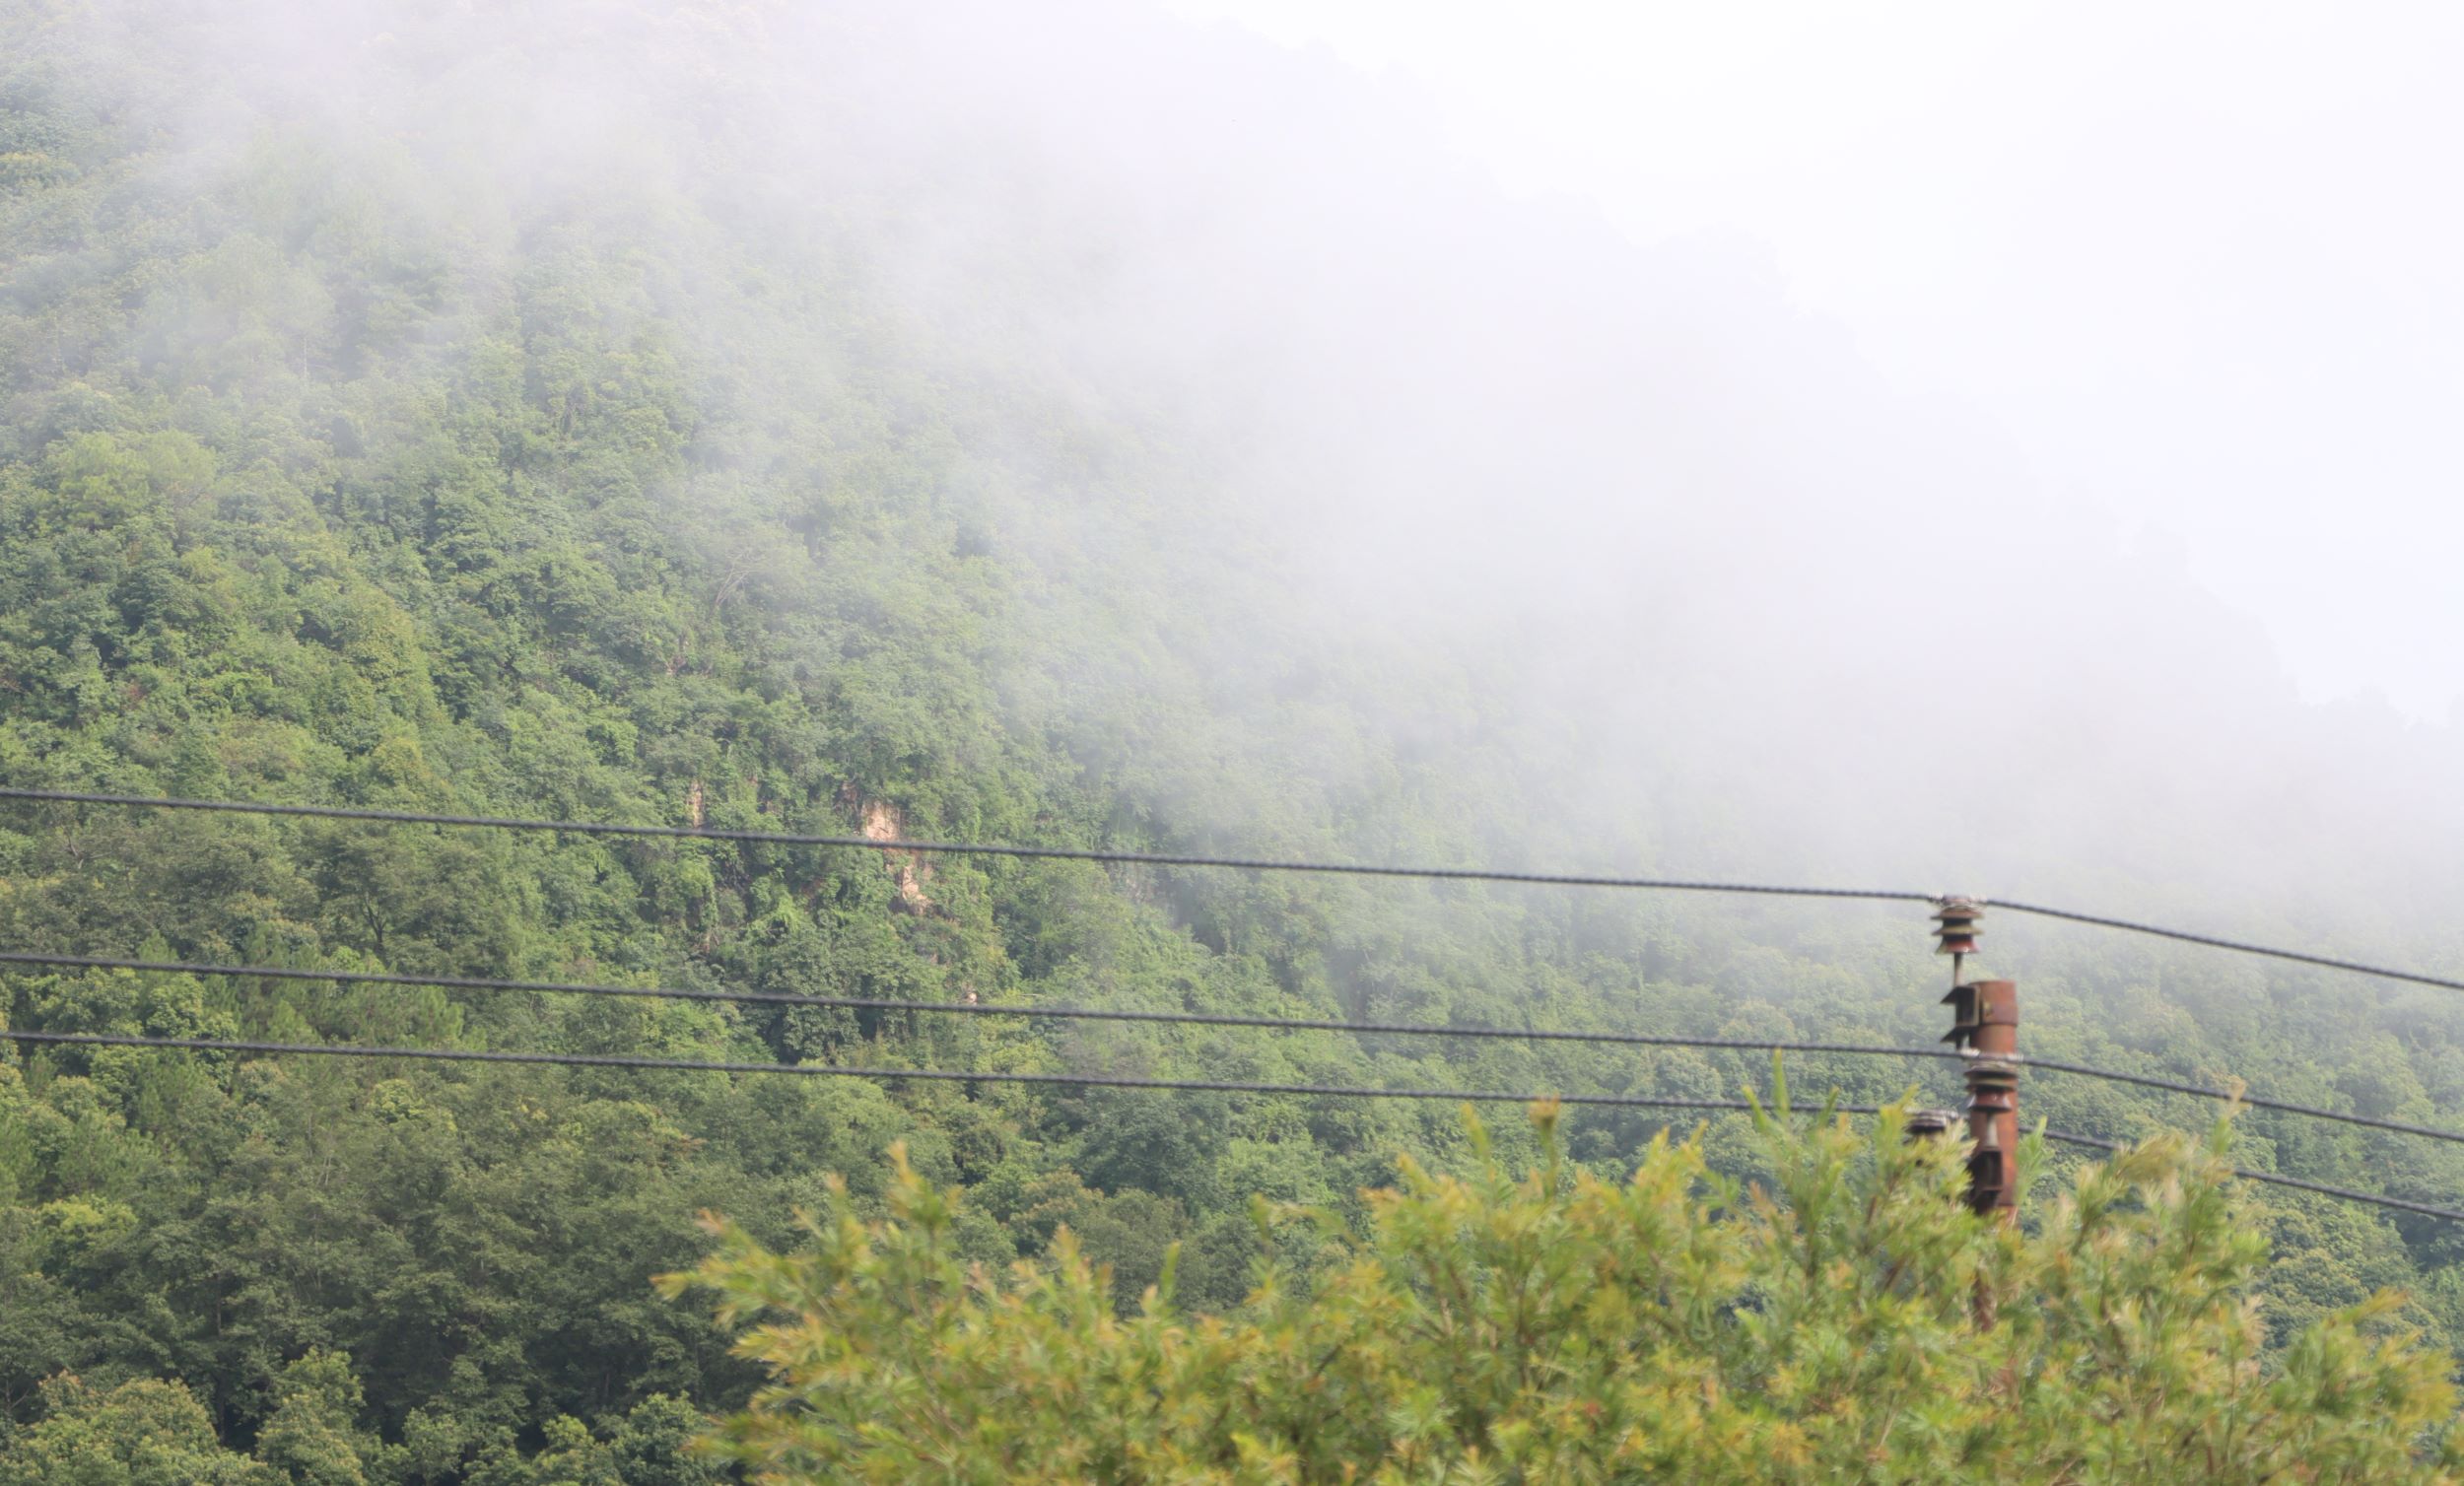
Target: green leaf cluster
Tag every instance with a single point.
(1850, 1322)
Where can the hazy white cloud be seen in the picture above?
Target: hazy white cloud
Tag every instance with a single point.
(2198, 260)
(1841, 528)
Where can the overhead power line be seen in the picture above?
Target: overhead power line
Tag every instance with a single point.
(1072, 1080)
(832, 1070)
(985, 1008)
(957, 849)
(2033, 1064)
(2279, 1179)
(1240, 863)
(1212, 1019)
(2237, 946)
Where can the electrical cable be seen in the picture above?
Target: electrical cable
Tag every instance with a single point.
(834, 1070)
(2237, 946)
(966, 1009)
(2252, 1100)
(957, 849)
(2279, 1179)
(1072, 1080)
(1242, 863)
(1207, 1019)
(1147, 858)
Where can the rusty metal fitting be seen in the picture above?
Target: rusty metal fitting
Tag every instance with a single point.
(1985, 1029)
(1984, 1017)
(1993, 1173)
(1961, 999)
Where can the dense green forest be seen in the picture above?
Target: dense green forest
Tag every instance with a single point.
(377, 445)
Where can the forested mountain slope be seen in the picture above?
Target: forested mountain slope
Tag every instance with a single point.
(556, 412)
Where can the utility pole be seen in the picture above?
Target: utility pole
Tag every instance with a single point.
(1984, 1026)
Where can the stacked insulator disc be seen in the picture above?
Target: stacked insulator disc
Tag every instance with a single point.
(1955, 921)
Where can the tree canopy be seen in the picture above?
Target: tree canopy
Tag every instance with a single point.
(1852, 1321)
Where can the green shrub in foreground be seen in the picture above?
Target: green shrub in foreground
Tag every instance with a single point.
(1556, 1328)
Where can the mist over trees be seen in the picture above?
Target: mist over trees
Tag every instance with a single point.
(1012, 424)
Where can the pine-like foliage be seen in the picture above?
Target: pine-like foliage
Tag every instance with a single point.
(1852, 1323)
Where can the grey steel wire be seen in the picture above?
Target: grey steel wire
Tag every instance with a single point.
(2252, 1100)
(1242, 863)
(834, 1070)
(2279, 1179)
(965, 1008)
(2237, 946)
(1209, 1019)
(956, 849)
(1072, 1080)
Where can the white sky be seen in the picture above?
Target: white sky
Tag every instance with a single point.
(2205, 262)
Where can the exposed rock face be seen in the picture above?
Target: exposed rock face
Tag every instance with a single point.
(881, 821)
